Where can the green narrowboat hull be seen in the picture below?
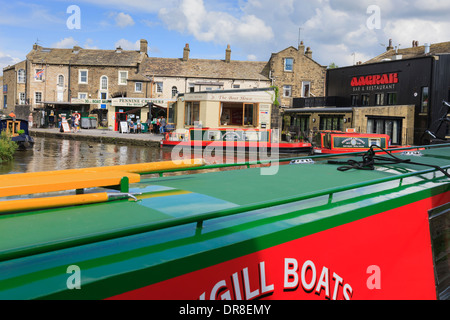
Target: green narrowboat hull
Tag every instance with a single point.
(271, 232)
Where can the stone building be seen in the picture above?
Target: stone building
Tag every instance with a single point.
(296, 74)
(52, 82)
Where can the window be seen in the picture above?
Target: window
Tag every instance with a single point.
(287, 91)
(5, 101)
(236, 86)
(104, 83)
(191, 113)
(138, 87)
(331, 122)
(250, 114)
(364, 99)
(82, 95)
(288, 64)
(174, 92)
(159, 87)
(424, 100)
(21, 76)
(171, 113)
(21, 97)
(392, 98)
(60, 82)
(354, 100)
(306, 89)
(38, 97)
(39, 74)
(390, 126)
(83, 76)
(379, 99)
(123, 76)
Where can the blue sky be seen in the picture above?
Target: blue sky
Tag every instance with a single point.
(340, 31)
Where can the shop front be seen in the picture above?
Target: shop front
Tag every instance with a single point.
(224, 109)
(401, 98)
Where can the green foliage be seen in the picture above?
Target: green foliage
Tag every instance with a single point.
(333, 66)
(276, 100)
(7, 147)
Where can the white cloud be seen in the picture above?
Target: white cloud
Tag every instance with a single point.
(124, 20)
(7, 60)
(69, 42)
(192, 17)
(128, 45)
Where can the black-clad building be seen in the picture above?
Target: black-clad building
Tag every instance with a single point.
(400, 92)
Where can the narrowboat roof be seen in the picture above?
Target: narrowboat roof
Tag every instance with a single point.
(180, 216)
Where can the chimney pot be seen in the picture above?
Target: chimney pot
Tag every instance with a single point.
(228, 54)
(308, 52)
(186, 52)
(144, 46)
(390, 47)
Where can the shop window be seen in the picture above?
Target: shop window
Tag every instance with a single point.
(365, 99)
(288, 64)
(171, 114)
(191, 113)
(390, 126)
(238, 114)
(249, 114)
(424, 100)
(332, 122)
(392, 98)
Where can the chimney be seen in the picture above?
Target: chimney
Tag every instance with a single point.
(186, 52)
(390, 47)
(413, 43)
(417, 43)
(144, 46)
(308, 52)
(301, 48)
(427, 48)
(228, 54)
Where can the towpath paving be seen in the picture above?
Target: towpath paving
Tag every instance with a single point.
(101, 135)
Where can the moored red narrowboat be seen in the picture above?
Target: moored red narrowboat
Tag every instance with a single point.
(282, 230)
(245, 139)
(335, 142)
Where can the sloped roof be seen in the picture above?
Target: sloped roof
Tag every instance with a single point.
(85, 57)
(202, 68)
(413, 52)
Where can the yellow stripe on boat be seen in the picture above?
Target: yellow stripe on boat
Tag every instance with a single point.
(52, 181)
(51, 202)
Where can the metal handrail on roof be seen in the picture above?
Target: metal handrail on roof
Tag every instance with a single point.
(199, 218)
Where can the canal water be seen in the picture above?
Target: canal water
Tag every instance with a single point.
(58, 154)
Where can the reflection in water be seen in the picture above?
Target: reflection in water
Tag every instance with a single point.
(58, 154)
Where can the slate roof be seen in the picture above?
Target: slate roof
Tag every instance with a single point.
(86, 57)
(202, 68)
(413, 52)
